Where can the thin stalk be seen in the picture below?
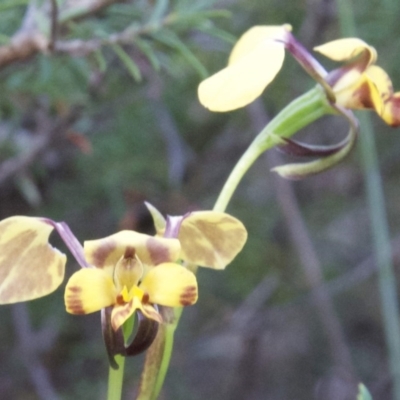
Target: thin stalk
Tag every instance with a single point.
(381, 236)
(168, 346)
(382, 248)
(115, 379)
(116, 376)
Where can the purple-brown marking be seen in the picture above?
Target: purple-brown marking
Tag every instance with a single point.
(145, 298)
(158, 252)
(30, 262)
(101, 254)
(363, 94)
(130, 252)
(188, 296)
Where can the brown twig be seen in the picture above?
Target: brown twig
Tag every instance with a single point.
(29, 40)
(47, 132)
(53, 25)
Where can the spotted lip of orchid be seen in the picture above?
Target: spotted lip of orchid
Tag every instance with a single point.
(361, 84)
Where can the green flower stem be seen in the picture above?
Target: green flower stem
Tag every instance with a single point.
(299, 113)
(116, 376)
(382, 248)
(296, 115)
(377, 210)
(158, 356)
(115, 379)
(168, 346)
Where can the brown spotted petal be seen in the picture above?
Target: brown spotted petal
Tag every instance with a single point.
(211, 239)
(391, 111)
(121, 313)
(89, 290)
(170, 285)
(29, 266)
(389, 108)
(105, 253)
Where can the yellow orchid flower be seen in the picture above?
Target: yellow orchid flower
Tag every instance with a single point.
(127, 271)
(132, 272)
(122, 273)
(258, 56)
(361, 84)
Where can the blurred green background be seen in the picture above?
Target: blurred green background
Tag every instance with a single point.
(87, 134)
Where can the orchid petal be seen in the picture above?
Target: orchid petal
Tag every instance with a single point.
(346, 49)
(390, 111)
(255, 37)
(299, 149)
(121, 313)
(381, 80)
(362, 94)
(145, 335)
(170, 285)
(89, 290)
(255, 60)
(105, 253)
(361, 55)
(302, 170)
(158, 219)
(211, 239)
(29, 266)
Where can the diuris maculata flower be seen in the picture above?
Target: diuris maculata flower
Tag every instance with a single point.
(132, 272)
(122, 273)
(258, 56)
(361, 84)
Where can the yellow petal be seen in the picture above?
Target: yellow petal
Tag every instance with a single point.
(211, 239)
(170, 285)
(363, 94)
(121, 313)
(105, 253)
(89, 290)
(254, 63)
(346, 49)
(29, 266)
(391, 111)
(254, 37)
(381, 80)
